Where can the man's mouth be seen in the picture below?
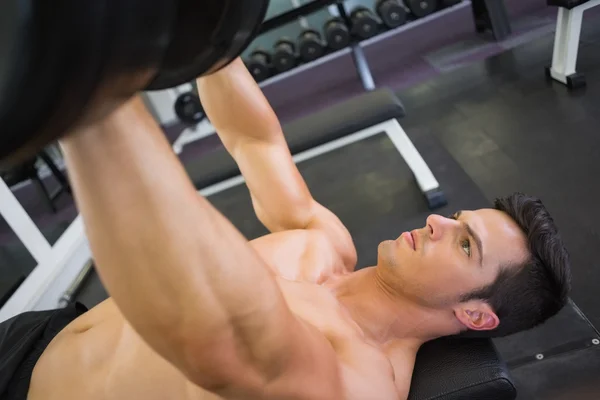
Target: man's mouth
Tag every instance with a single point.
(410, 239)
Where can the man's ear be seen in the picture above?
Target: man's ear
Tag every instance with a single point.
(477, 316)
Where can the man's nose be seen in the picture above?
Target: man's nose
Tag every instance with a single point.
(437, 226)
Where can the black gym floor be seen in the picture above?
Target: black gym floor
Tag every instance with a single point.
(486, 129)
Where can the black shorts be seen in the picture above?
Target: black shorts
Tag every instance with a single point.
(23, 339)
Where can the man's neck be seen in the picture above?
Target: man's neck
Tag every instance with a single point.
(384, 315)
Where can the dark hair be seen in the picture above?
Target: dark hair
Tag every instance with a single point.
(524, 296)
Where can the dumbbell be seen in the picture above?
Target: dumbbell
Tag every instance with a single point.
(258, 64)
(284, 55)
(189, 109)
(391, 12)
(101, 57)
(364, 23)
(421, 8)
(310, 45)
(336, 34)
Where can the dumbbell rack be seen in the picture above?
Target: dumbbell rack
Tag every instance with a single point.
(302, 11)
(355, 50)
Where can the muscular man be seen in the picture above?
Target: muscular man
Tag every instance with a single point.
(198, 312)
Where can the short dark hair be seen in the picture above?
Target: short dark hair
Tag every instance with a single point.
(524, 296)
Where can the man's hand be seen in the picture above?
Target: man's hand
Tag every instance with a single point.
(181, 274)
(251, 132)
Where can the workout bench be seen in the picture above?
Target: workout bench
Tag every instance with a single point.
(447, 368)
(566, 41)
(327, 130)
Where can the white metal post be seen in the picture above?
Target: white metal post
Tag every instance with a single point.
(21, 223)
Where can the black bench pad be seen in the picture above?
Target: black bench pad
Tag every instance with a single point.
(454, 368)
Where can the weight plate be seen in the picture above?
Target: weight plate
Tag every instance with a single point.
(421, 8)
(222, 29)
(336, 32)
(366, 28)
(258, 65)
(284, 57)
(189, 109)
(391, 13)
(310, 50)
(285, 44)
(282, 62)
(309, 33)
(357, 10)
(338, 38)
(83, 57)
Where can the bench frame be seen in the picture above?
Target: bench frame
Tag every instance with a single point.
(423, 175)
(566, 46)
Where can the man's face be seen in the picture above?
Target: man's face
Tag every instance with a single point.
(451, 257)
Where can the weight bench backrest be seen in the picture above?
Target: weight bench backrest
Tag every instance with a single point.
(454, 368)
(324, 126)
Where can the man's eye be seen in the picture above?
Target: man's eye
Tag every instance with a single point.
(466, 245)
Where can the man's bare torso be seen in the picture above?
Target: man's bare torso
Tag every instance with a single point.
(99, 356)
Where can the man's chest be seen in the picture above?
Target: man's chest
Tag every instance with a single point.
(365, 367)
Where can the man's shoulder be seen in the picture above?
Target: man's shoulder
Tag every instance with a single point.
(302, 254)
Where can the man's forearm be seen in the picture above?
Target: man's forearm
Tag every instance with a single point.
(177, 269)
(237, 107)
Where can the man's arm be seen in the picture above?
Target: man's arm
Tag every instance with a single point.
(181, 274)
(251, 132)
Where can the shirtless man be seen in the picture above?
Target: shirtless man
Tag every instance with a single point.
(198, 312)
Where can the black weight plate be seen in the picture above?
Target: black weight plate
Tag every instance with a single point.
(310, 50)
(365, 27)
(259, 71)
(284, 58)
(257, 65)
(55, 61)
(261, 55)
(15, 49)
(208, 35)
(283, 62)
(337, 35)
(285, 45)
(89, 57)
(421, 8)
(359, 9)
(310, 33)
(391, 13)
(338, 38)
(189, 109)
